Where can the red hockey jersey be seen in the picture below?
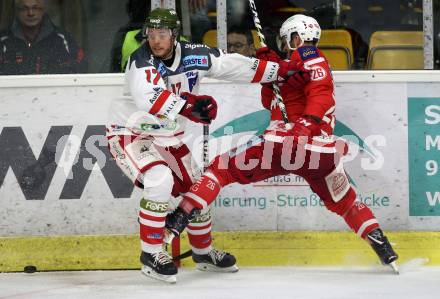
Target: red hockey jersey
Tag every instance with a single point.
(315, 98)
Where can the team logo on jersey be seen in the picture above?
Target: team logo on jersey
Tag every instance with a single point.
(162, 69)
(192, 80)
(196, 60)
(151, 60)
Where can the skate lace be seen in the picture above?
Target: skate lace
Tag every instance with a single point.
(216, 255)
(162, 258)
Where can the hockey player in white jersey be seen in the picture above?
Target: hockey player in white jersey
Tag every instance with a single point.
(147, 125)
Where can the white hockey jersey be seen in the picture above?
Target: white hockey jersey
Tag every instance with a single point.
(151, 101)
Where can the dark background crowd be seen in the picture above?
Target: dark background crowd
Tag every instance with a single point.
(88, 36)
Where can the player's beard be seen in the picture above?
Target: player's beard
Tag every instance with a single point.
(165, 53)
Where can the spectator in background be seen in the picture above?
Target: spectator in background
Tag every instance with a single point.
(241, 41)
(129, 37)
(34, 45)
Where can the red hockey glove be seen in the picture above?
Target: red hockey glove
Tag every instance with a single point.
(199, 109)
(305, 128)
(267, 54)
(299, 79)
(294, 73)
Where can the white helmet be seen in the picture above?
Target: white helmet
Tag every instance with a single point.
(307, 28)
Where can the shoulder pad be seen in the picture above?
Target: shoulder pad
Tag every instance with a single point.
(195, 56)
(198, 49)
(194, 49)
(142, 57)
(308, 52)
(217, 52)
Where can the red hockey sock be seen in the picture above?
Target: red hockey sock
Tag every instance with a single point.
(199, 233)
(202, 193)
(151, 232)
(200, 237)
(360, 219)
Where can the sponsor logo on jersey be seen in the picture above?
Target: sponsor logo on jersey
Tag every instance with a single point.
(196, 60)
(272, 72)
(255, 65)
(117, 151)
(308, 52)
(192, 79)
(171, 105)
(155, 97)
(149, 127)
(194, 46)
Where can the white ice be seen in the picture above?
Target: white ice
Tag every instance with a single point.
(262, 282)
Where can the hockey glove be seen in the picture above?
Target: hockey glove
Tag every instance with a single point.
(199, 109)
(177, 221)
(267, 54)
(305, 127)
(294, 72)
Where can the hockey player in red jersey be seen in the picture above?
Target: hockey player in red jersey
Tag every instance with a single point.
(308, 141)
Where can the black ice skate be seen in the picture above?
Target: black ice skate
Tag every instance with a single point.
(383, 248)
(177, 221)
(159, 266)
(215, 261)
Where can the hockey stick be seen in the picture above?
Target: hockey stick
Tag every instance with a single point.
(276, 89)
(205, 158)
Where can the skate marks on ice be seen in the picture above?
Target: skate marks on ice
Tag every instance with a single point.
(262, 282)
(413, 265)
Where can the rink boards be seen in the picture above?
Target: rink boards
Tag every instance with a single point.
(56, 178)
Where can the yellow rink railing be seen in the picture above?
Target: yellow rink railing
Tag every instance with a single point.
(251, 249)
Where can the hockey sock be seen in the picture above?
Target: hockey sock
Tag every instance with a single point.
(152, 221)
(158, 182)
(360, 219)
(202, 193)
(199, 232)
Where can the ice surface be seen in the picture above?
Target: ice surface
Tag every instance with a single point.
(262, 282)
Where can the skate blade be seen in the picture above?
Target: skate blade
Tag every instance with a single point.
(393, 266)
(147, 271)
(213, 268)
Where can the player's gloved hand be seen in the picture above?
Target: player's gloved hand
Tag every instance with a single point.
(199, 109)
(294, 73)
(305, 127)
(265, 53)
(177, 221)
(299, 79)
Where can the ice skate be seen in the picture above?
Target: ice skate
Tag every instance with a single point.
(159, 266)
(215, 261)
(383, 249)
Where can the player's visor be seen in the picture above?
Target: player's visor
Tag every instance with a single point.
(155, 33)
